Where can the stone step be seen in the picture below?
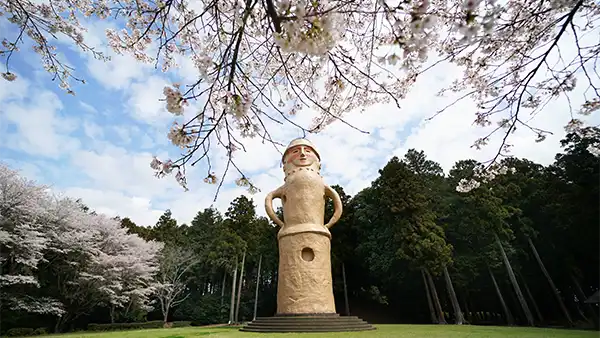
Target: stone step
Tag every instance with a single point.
(305, 315)
(309, 318)
(307, 323)
(307, 329)
(306, 320)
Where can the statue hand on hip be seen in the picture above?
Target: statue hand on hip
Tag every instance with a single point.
(277, 193)
(337, 206)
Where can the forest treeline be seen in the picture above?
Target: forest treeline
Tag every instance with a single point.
(522, 249)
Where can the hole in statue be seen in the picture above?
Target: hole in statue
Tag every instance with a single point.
(308, 254)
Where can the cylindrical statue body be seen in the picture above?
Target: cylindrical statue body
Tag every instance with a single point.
(304, 281)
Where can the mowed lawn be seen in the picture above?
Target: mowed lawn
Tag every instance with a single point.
(396, 331)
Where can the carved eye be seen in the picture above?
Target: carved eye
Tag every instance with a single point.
(295, 151)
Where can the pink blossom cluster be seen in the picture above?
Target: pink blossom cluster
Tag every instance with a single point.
(481, 175)
(313, 30)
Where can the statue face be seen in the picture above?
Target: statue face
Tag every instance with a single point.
(301, 156)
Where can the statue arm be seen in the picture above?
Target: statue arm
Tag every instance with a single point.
(337, 206)
(277, 193)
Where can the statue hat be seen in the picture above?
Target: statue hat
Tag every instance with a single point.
(298, 142)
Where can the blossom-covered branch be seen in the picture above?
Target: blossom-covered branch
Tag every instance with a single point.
(259, 63)
(40, 22)
(514, 66)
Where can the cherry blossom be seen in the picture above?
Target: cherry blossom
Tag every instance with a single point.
(98, 261)
(483, 174)
(264, 61)
(578, 127)
(8, 76)
(22, 241)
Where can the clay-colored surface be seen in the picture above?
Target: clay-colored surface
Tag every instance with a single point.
(304, 285)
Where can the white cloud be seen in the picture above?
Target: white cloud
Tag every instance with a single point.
(121, 70)
(114, 168)
(117, 74)
(13, 90)
(448, 136)
(39, 127)
(144, 101)
(124, 133)
(28, 169)
(92, 130)
(113, 203)
(88, 108)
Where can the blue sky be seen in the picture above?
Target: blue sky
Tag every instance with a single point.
(98, 144)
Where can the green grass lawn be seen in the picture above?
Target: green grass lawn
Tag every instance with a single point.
(395, 331)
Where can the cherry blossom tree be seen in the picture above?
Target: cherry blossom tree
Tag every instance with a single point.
(171, 287)
(122, 266)
(259, 63)
(97, 262)
(22, 243)
(92, 259)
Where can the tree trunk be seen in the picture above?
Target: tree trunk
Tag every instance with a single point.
(112, 314)
(551, 282)
(128, 308)
(257, 287)
(510, 320)
(467, 313)
(577, 306)
(166, 314)
(530, 295)
(515, 284)
(223, 287)
(345, 289)
(239, 295)
(233, 283)
(582, 298)
(57, 325)
(455, 306)
(571, 298)
(434, 319)
(435, 298)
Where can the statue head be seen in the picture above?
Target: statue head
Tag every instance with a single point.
(300, 153)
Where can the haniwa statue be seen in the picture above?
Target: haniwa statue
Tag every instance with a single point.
(304, 282)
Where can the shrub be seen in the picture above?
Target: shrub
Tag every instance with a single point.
(155, 324)
(40, 331)
(20, 331)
